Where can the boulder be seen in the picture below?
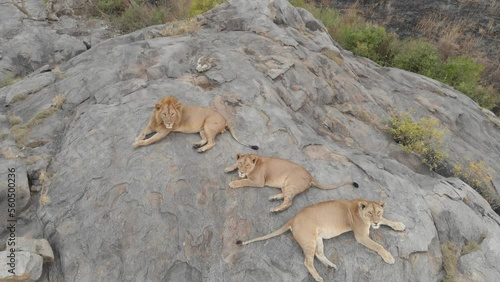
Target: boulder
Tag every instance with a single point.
(165, 212)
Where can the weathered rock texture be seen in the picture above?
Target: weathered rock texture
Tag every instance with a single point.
(165, 213)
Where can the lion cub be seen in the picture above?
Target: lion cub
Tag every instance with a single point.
(170, 115)
(292, 178)
(329, 219)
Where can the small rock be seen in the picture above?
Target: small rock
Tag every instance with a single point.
(36, 246)
(27, 266)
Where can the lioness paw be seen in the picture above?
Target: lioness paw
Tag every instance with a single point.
(233, 185)
(136, 144)
(399, 226)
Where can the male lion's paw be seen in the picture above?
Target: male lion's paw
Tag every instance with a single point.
(136, 144)
(233, 185)
(399, 226)
(228, 169)
(388, 258)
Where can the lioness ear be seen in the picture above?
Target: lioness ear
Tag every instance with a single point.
(158, 106)
(238, 156)
(362, 205)
(382, 203)
(254, 159)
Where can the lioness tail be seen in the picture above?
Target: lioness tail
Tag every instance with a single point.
(280, 231)
(347, 181)
(231, 130)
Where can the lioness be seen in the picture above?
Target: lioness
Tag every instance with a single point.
(292, 178)
(170, 115)
(329, 219)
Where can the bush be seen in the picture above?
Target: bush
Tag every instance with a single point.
(423, 138)
(201, 6)
(369, 41)
(418, 56)
(479, 176)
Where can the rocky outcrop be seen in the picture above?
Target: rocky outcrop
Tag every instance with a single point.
(165, 213)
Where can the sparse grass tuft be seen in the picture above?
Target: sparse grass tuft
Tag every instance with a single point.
(13, 119)
(9, 79)
(45, 199)
(333, 55)
(58, 101)
(470, 247)
(450, 254)
(56, 70)
(18, 98)
(423, 138)
(21, 130)
(180, 27)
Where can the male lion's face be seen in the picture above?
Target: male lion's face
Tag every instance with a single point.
(371, 212)
(168, 113)
(246, 164)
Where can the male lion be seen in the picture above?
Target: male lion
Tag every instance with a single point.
(329, 219)
(292, 178)
(171, 115)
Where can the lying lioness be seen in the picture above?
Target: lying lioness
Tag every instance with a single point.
(169, 115)
(292, 178)
(329, 219)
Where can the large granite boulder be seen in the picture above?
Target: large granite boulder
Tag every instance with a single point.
(165, 212)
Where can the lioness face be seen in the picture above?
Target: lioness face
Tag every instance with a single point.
(246, 164)
(371, 212)
(168, 113)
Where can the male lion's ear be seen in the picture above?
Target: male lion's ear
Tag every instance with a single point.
(382, 204)
(158, 106)
(238, 156)
(362, 205)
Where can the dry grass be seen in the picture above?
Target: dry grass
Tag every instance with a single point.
(494, 7)
(450, 254)
(58, 101)
(452, 36)
(333, 55)
(13, 119)
(3, 135)
(20, 131)
(56, 70)
(470, 247)
(19, 97)
(180, 27)
(7, 153)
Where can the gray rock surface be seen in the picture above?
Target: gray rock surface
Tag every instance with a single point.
(165, 213)
(28, 267)
(36, 246)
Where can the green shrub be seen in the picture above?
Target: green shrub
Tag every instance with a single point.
(423, 138)
(418, 56)
(112, 7)
(201, 6)
(369, 41)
